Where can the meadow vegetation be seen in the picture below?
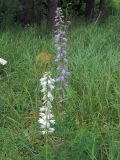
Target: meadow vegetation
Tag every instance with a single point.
(89, 129)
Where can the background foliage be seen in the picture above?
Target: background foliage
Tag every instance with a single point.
(11, 10)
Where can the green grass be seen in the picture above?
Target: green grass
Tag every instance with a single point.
(90, 127)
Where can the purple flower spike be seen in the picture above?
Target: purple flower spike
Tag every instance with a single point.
(61, 42)
(61, 78)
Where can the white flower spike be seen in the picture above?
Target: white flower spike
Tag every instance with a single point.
(46, 119)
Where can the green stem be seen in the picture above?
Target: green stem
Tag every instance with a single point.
(46, 145)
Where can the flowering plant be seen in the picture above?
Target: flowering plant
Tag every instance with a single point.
(46, 117)
(60, 45)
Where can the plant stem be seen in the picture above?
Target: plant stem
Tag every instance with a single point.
(46, 144)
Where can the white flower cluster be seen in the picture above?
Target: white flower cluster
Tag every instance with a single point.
(3, 62)
(46, 117)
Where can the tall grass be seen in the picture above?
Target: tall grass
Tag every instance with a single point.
(90, 128)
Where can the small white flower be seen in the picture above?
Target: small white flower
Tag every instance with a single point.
(50, 96)
(44, 97)
(43, 132)
(3, 62)
(51, 86)
(49, 104)
(51, 116)
(43, 79)
(42, 126)
(43, 109)
(41, 121)
(42, 114)
(52, 121)
(51, 81)
(44, 83)
(44, 89)
(51, 130)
